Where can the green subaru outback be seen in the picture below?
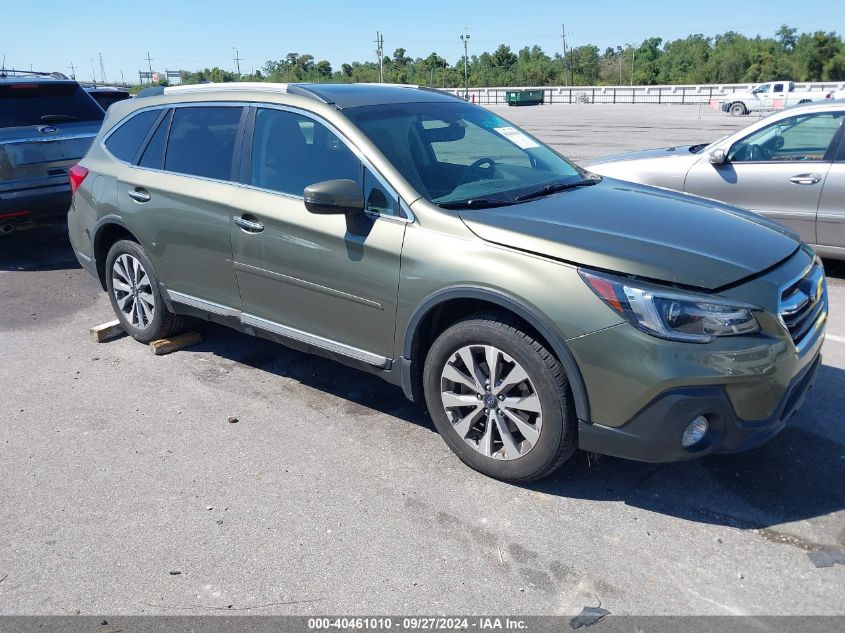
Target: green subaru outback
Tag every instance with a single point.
(534, 307)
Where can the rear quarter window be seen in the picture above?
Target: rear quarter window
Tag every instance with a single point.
(126, 140)
(25, 104)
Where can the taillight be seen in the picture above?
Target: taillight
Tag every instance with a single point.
(77, 175)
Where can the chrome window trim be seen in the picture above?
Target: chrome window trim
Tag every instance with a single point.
(286, 331)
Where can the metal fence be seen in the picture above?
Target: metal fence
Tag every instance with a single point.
(681, 95)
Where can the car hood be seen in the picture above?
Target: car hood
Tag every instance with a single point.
(660, 152)
(640, 230)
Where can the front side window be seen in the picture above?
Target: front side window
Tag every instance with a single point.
(291, 151)
(202, 141)
(126, 140)
(455, 152)
(805, 137)
(377, 198)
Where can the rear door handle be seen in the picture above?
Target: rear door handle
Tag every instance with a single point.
(805, 179)
(139, 195)
(250, 226)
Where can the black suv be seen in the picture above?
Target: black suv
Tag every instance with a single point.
(47, 123)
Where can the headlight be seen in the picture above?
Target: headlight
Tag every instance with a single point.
(672, 315)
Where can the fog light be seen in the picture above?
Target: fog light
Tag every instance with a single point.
(696, 430)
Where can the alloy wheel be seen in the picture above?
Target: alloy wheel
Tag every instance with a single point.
(133, 291)
(491, 402)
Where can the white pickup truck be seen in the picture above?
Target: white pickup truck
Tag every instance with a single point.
(774, 95)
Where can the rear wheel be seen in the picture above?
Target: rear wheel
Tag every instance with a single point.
(135, 295)
(500, 399)
(737, 109)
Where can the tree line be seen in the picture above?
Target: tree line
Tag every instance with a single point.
(695, 59)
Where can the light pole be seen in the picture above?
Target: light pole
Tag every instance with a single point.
(465, 40)
(633, 51)
(619, 52)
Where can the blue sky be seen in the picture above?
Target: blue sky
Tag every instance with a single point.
(191, 34)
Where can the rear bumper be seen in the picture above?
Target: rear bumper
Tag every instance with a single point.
(41, 204)
(654, 434)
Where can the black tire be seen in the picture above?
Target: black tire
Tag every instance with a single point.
(738, 109)
(557, 440)
(163, 323)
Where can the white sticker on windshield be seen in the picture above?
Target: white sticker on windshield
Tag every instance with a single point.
(516, 137)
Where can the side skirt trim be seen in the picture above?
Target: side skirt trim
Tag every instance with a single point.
(281, 329)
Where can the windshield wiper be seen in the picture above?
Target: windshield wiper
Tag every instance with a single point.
(58, 118)
(554, 188)
(474, 203)
(695, 149)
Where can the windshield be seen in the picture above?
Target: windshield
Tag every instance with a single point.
(46, 103)
(454, 152)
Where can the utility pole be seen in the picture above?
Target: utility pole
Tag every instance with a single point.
(93, 72)
(150, 64)
(563, 37)
(632, 63)
(465, 40)
(72, 71)
(380, 55)
(102, 69)
(619, 51)
(122, 81)
(238, 60)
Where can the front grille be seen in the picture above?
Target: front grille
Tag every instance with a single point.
(803, 307)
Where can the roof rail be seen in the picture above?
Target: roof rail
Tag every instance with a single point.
(11, 72)
(228, 86)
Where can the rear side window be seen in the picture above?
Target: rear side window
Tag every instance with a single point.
(202, 141)
(153, 156)
(290, 152)
(46, 104)
(126, 140)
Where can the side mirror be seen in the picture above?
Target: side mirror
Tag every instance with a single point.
(718, 157)
(334, 197)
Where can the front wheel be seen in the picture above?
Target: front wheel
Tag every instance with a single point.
(500, 399)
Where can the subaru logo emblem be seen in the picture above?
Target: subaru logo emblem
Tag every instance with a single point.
(48, 129)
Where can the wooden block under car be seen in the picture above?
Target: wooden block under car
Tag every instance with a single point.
(174, 344)
(106, 331)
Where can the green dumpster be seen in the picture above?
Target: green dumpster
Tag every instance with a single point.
(524, 97)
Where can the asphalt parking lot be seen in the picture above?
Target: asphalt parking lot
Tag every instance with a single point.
(333, 494)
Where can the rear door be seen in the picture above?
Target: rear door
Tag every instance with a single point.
(176, 199)
(328, 280)
(777, 171)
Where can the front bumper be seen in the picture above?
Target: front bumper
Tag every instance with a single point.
(654, 434)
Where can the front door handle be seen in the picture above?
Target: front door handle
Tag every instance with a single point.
(250, 226)
(139, 195)
(805, 179)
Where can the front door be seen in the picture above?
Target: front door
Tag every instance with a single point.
(777, 171)
(328, 280)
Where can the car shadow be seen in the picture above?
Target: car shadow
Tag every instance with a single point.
(40, 248)
(797, 475)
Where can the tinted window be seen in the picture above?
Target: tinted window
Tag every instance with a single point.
(46, 103)
(798, 138)
(378, 198)
(105, 99)
(452, 151)
(153, 156)
(202, 141)
(126, 140)
(290, 152)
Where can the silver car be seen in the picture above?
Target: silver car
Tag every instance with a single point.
(789, 166)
